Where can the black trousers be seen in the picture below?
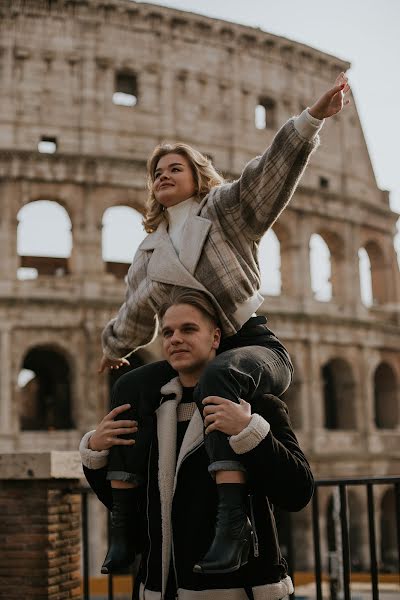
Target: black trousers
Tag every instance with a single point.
(250, 362)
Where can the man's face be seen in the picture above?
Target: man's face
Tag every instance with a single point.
(190, 340)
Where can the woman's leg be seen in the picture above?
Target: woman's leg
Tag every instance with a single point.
(127, 464)
(140, 388)
(234, 374)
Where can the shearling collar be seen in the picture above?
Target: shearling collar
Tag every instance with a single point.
(168, 467)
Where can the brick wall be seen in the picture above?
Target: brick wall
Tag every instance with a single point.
(40, 537)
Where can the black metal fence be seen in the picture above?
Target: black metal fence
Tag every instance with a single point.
(338, 580)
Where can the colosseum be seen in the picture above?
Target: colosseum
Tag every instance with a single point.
(88, 88)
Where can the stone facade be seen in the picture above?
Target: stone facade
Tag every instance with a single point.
(199, 80)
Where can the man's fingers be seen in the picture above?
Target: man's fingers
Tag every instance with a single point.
(215, 400)
(124, 430)
(122, 423)
(120, 442)
(118, 410)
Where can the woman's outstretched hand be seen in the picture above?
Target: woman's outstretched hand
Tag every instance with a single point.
(111, 363)
(108, 430)
(333, 100)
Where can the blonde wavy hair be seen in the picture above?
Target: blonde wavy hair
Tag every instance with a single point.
(205, 178)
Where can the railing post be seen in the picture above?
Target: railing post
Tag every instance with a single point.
(372, 542)
(317, 549)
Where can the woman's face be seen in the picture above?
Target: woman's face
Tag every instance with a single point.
(173, 180)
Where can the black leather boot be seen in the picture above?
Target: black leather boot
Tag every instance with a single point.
(121, 552)
(231, 545)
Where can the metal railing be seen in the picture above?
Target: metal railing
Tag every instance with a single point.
(341, 485)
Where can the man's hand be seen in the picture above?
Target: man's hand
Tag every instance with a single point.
(111, 363)
(107, 432)
(224, 415)
(333, 100)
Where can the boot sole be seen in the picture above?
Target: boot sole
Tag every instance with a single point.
(244, 559)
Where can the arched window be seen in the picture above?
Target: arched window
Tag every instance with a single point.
(365, 277)
(339, 395)
(378, 283)
(320, 268)
(44, 239)
(389, 555)
(265, 114)
(270, 264)
(126, 89)
(44, 385)
(385, 397)
(121, 236)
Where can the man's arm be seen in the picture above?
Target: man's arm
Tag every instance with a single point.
(94, 448)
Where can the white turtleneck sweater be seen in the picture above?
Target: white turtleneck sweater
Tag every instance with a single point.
(178, 215)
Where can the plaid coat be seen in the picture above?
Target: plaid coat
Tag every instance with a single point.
(219, 247)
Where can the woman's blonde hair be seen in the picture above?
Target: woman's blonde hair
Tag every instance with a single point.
(204, 174)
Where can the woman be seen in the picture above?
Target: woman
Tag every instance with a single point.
(204, 234)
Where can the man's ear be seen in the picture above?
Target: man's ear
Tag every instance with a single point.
(217, 338)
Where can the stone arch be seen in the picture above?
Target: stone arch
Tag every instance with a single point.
(44, 389)
(378, 271)
(386, 402)
(270, 264)
(320, 268)
(44, 239)
(388, 527)
(122, 233)
(338, 395)
(292, 397)
(336, 247)
(365, 274)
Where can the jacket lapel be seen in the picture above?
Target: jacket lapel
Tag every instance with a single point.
(166, 433)
(194, 236)
(165, 266)
(193, 438)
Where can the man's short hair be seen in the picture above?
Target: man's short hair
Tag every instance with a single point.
(199, 300)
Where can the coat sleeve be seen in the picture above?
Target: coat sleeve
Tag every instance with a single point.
(250, 205)
(275, 463)
(136, 324)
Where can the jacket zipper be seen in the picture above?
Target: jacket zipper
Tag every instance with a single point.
(147, 513)
(253, 525)
(172, 529)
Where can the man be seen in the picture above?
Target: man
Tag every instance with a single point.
(177, 509)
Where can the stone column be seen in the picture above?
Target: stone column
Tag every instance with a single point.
(9, 192)
(7, 426)
(300, 254)
(41, 533)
